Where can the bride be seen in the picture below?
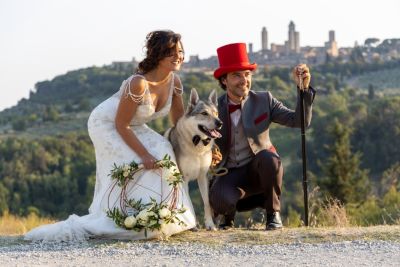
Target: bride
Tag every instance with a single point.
(118, 130)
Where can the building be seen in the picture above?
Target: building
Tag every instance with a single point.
(331, 46)
(291, 53)
(250, 49)
(293, 39)
(125, 65)
(264, 39)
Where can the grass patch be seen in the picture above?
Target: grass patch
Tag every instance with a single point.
(290, 235)
(12, 228)
(14, 225)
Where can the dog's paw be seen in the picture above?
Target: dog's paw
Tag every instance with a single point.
(211, 227)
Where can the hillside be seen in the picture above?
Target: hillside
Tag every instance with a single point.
(64, 103)
(387, 81)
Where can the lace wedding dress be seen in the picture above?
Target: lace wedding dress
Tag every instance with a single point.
(109, 149)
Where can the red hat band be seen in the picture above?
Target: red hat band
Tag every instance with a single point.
(233, 57)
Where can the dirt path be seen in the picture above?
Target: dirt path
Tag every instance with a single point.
(371, 246)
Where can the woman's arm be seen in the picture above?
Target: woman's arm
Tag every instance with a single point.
(125, 112)
(177, 108)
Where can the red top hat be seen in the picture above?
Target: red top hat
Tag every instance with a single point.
(233, 57)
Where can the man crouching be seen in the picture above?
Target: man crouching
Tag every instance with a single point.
(255, 172)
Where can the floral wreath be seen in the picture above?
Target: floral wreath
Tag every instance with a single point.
(133, 214)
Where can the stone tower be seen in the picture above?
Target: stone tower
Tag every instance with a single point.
(264, 39)
(297, 42)
(292, 37)
(250, 49)
(331, 46)
(331, 36)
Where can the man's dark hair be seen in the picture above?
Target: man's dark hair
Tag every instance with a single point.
(221, 84)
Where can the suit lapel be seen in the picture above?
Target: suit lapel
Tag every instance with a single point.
(246, 107)
(224, 117)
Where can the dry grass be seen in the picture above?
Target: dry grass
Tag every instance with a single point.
(257, 236)
(327, 213)
(14, 225)
(334, 214)
(290, 235)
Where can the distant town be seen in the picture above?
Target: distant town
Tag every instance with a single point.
(291, 52)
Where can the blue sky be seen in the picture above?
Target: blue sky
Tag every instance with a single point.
(44, 38)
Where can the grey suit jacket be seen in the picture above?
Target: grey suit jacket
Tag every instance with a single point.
(259, 109)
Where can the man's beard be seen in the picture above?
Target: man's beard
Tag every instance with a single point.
(242, 92)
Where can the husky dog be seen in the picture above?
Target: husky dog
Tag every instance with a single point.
(192, 139)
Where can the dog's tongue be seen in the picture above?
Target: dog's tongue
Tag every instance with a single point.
(215, 134)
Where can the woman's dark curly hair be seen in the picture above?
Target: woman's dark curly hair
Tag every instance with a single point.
(159, 45)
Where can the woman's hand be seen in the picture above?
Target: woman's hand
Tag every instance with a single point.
(148, 161)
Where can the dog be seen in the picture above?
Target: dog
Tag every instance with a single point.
(192, 140)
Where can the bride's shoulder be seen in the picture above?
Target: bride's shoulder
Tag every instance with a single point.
(137, 84)
(177, 80)
(178, 87)
(136, 88)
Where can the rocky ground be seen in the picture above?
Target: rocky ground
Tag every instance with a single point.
(372, 246)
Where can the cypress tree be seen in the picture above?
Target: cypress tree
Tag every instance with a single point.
(344, 179)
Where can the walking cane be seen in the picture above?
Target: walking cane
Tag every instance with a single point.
(303, 144)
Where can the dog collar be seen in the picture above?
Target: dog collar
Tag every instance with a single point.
(196, 140)
(206, 141)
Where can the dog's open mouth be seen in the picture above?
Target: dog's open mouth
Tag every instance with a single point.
(212, 133)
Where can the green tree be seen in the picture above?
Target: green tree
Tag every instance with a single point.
(3, 199)
(378, 135)
(51, 114)
(371, 92)
(390, 178)
(344, 179)
(19, 124)
(84, 104)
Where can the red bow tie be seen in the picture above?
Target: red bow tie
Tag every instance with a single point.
(233, 108)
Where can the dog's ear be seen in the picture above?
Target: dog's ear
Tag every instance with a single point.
(213, 97)
(193, 100)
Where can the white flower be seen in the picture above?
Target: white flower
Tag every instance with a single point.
(126, 173)
(172, 178)
(166, 173)
(151, 214)
(143, 215)
(164, 212)
(125, 167)
(129, 222)
(174, 169)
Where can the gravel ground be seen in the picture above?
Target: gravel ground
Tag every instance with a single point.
(100, 253)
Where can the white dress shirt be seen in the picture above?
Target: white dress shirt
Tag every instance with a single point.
(235, 116)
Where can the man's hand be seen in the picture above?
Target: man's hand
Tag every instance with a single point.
(303, 71)
(216, 156)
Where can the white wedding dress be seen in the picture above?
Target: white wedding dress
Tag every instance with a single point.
(109, 149)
